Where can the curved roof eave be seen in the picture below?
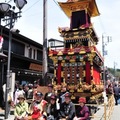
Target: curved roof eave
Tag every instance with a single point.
(66, 7)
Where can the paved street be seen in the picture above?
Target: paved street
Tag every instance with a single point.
(115, 114)
(10, 117)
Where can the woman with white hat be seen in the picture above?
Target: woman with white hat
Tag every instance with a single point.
(21, 109)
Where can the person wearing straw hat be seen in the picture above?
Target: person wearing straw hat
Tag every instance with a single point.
(82, 113)
(21, 109)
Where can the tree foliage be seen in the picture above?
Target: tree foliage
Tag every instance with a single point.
(115, 72)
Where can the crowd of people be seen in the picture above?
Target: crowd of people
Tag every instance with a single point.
(49, 106)
(53, 105)
(113, 88)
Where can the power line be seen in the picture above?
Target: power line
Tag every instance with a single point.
(56, 3)
(37, 2)
(34, 14)
(101, 23)
(9, 1)
(32, 6)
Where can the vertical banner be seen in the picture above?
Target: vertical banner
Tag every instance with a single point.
(1, 43)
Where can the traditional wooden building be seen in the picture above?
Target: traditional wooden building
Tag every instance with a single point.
(26, 59)
(79, 61)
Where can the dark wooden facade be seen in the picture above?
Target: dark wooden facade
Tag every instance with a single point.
(26, 58)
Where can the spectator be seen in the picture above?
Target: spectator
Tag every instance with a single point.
(67, 108)
(109, 89)
(30, 92)
(116, 93)
(82, 112)
(49, 93)
(34, 91)
(38, 107)
(21, 108)
(18, 92)
(26, 89)
(62, 94)
(52, 109)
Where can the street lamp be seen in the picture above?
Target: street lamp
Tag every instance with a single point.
(4, 7)
(11, 18)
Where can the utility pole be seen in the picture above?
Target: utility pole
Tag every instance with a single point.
(103, 50)
(115, 70)
(104, 53)
(45, 62)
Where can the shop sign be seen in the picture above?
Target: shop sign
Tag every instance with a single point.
(36, 67)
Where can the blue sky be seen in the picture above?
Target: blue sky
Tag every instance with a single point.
(31, 24)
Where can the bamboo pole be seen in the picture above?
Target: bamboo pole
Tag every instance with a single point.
(105, 111)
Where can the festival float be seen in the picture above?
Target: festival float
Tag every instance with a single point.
(78, 64)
